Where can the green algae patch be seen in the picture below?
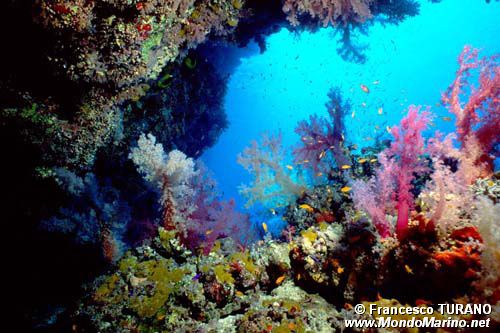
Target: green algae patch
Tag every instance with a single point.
(165, 237)
(216, 247)
(106, 288)
(154, 40)
(246, 260)
(129, 262)
(164, 279)
(222, 274)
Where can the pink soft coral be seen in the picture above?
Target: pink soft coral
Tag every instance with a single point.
(391, 187)
(477, 118)
(408, 146)
(213, 218)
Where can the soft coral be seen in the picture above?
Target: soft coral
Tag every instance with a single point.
(408, 146)
(478, 118)
(322, 138)
(392, 185)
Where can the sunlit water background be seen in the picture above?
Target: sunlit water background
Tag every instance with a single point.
(412, 63)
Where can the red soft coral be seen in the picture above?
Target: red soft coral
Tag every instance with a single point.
(478, 118)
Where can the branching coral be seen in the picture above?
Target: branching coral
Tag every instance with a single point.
(408, 146)
(398, 166)
(329, 12)
(189, 198)
(272, 186)
(446, 195)
(348, 17)
(322, 139)
(171, 174)
(477, 118)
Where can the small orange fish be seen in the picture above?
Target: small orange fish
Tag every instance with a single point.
(364, 88)
(307, 208)
(299, 277)
(446, 118)
(291, 326)
(362, 160)
(373, 160)
(408, 269)
(319, 174)
(380, 111)
(289, 167)
(280, 279)
(322, 154)
(208, 232)
(345, 189)
(345, 167)
(239, 293)
(340, 270)
(264, 226)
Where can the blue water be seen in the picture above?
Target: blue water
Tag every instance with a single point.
(414, 63)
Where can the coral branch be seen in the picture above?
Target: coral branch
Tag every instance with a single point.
(322, 139)
(478, 117)
(272, 185)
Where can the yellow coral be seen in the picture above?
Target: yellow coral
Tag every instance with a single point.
(165, 280)
(246, 260)
(106, 288)
(310, 235)
(222, 274)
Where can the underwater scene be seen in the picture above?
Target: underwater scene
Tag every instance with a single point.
(251, 166)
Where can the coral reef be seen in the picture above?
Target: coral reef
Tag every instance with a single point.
(329, 12)
(478, 117)
(119, 43)
(348, 17)
(188, 196)
(414, 221)
(322, 139)
(274, 184)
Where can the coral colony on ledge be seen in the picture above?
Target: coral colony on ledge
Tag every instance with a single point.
(115, 224)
